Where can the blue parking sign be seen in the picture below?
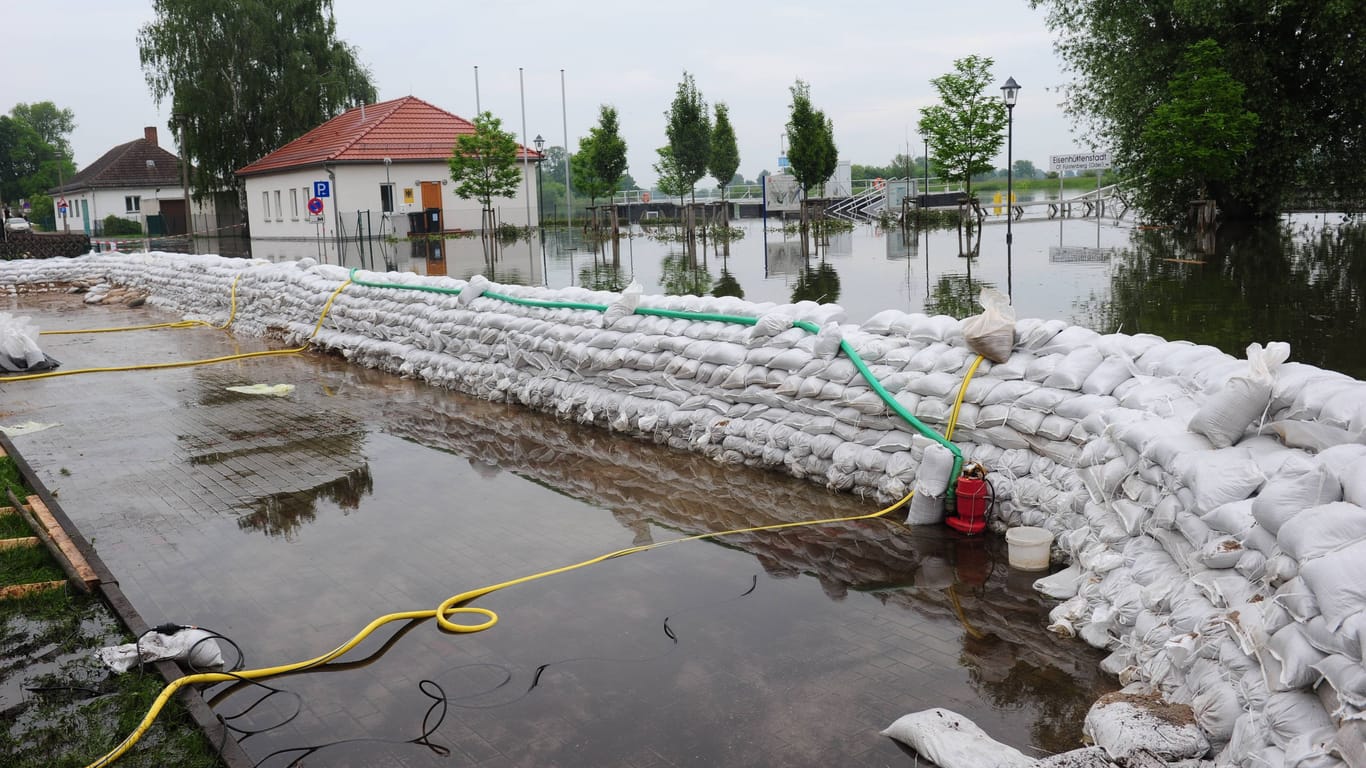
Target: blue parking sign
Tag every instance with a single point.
(322, 189)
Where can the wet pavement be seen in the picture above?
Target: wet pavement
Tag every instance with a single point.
(289, 523)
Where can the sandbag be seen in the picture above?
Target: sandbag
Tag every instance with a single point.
(992, 333)
(1133, 720)
(1225, 416)
(950, 740)
(19, 350)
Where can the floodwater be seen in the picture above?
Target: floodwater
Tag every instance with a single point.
(1298, 280)
(289, 523)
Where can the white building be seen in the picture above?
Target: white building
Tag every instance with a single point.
(138, 181)
(376, 164)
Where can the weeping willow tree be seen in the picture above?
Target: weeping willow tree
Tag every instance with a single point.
(244, 77)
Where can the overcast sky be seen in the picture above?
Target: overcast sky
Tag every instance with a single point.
(869, 65)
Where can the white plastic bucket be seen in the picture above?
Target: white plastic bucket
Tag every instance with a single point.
(1028, 548)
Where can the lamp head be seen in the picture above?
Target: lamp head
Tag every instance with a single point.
(539, 141)
(1010, 91)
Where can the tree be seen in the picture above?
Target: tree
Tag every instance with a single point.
(1196, 136)
(965, 127)
(52, 124)
(1024, 169)
(1311, 132)
(28, 164)
(671, 180)
(724, 157)
(689, 132)
(484, 164)
(810, 143)
(601, 159)
(243, 79)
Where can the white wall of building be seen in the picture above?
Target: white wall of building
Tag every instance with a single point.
(101, 202)
(355, 187)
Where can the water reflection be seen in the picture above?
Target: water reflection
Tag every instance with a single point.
(819, 283)
(283, 514)
(1278, 282)
(946, 579)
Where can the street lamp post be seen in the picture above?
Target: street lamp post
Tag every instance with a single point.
(1009, 92)
(539, 141)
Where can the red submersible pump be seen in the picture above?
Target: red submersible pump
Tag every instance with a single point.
(973, 496)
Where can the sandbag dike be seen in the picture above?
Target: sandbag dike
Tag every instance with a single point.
(1230, 579)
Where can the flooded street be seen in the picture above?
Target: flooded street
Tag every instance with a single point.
(1299, 280)
(289, 523)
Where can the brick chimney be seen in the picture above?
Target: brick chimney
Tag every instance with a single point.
(150, 134)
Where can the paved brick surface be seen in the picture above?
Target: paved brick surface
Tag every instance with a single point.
(289, 523)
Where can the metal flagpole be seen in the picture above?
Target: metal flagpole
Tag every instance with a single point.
(568, 194)
(526, 158)
(478, 110)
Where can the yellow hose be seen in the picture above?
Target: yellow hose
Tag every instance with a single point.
(187, 363)
(962, 392)
(450, 606)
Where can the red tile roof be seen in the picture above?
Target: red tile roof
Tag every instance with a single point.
(138, 163)
(402, 129)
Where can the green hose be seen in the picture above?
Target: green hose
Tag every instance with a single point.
(805, 325)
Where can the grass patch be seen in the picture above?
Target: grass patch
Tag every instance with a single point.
(12, 526)
(72, 709)
(26, 565)
(10, 481)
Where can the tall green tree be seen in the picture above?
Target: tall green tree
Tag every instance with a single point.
(966, 128)
(601, 159)
(52, 123)
(724, 159)
(811, 150)
(1197, 136)
(29, 165)
(1300, 60)
(689, 132)
(244, 78)
(484, 164)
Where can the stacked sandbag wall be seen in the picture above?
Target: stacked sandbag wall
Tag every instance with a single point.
(1230, 578)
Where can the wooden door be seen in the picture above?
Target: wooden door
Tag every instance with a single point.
(431, 198)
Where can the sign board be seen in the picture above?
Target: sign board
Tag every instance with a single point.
(782, 193)
(1079, 161)
(783, 162)
(315, 206)
(322, 189)
(407, 195)
(1071, 254)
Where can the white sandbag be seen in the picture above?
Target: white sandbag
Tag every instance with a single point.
(1312, 436)
(1225, 416)
(196, 648)
(1071, 372)
(1133, 720)
(1221, 477)
(1338, 582)
(1294, 713)
(1061, 585)
(1319, 530)
(1233, 519)
(1112, 372)
(1296, 656)
(623, 307)
(992, 333)
(1347, 677)
(925, 509)
(1296, 488)
(950, 740)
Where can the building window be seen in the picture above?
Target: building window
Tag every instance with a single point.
(294, 204)
(265, 205)
(308, 195)
(132, 203)
(386, 198)
(279, 211)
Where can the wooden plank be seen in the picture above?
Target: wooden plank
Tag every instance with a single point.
(63, 542)
(19, 543)
(52, 548)
(23, 590)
